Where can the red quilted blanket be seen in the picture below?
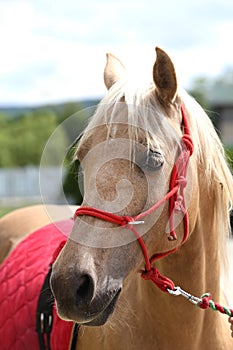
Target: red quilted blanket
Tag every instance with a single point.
(21, 278)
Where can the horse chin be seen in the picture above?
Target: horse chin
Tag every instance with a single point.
(103, 316)
(89, 318)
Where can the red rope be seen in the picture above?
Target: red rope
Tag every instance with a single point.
(57, 251)
(162, 282)
(175, 196)
(207, 302)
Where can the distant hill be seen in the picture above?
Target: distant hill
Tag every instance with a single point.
(17, 111)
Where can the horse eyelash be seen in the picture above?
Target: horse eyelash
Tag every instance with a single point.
(154, 160)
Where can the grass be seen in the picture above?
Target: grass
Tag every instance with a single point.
(4, 211)
(7, 208)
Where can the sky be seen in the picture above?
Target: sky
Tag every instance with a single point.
(55, 50)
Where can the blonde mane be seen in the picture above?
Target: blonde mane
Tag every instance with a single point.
(212, 161)
(143, 112)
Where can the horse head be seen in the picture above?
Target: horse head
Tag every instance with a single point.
(127, 153)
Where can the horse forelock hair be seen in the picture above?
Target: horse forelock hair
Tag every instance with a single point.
(142, 113)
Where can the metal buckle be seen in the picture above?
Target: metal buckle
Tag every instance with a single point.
(42, 325)
(45, 323)
(179, 291)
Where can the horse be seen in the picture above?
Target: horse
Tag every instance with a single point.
(157, 193)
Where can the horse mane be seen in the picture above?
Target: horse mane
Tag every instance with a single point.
(142, 111)
(211, 159)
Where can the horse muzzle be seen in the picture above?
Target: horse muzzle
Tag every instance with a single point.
(80, 299)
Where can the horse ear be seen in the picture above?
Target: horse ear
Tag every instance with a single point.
(164, 76)
(114, 70)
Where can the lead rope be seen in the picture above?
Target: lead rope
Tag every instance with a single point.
(204, 302)
(176, 199)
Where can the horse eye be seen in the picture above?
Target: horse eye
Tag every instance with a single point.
(154, 160)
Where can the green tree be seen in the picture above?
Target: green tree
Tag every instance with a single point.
(22, 140)
(229, 156)
(200, 91)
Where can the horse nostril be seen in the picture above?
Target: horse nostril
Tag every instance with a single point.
(85, 288)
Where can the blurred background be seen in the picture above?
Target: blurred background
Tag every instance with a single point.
(51, 66)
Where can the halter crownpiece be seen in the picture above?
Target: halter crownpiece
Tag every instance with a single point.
(175, 196)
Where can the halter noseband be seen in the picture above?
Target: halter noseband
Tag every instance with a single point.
(176, 199)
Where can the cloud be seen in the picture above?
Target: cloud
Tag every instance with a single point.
(56, 50)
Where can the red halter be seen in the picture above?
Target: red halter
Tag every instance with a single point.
(175, 196)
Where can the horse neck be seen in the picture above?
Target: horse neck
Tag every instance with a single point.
(147, 318)
(195, 268)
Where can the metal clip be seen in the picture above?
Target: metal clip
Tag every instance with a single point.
(42, 323)
(178, 291)
(46, 321)
(50, 320)
(136, 222)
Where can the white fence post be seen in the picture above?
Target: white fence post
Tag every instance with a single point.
(21, 185)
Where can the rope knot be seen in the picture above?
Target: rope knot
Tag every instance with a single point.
(149, 274)
(205, 303)
(126, 220)
(181, 181)
(178, 205)
(162, 282)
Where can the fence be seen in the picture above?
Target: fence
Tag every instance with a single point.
(22, 185)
